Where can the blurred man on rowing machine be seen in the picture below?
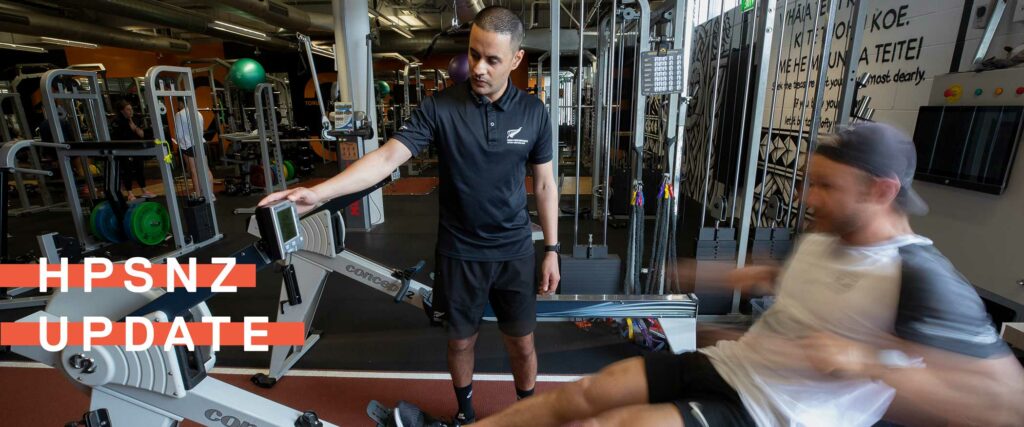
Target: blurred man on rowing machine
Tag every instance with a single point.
(870, 322)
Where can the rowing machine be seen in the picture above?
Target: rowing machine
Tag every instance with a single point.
(323, 252)
(162, 388)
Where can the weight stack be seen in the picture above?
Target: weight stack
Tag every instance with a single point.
(770, 244)
(716, 250)
(304, 160)
(199, 220)
(598, 275)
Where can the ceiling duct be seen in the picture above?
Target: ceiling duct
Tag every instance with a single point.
(156, 12)
(284, 16)
(418, 44)
(466, 10)
(536, 40)
(17, 19)
(150, 11)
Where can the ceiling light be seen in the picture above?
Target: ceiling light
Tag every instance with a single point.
(323, 51)
(411, 20)
(238, 30)
(402, 31)
(71, 43)
(21, 47)
(376, 15)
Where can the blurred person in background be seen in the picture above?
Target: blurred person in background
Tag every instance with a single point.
(132, 168)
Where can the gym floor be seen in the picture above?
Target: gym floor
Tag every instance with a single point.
(363, 331)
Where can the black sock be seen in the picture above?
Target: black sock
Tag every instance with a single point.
(465, 398)
(523, 394)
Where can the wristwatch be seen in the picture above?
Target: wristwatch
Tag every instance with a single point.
(553, 248)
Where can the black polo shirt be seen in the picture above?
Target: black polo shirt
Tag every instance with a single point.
(121, 129)
(483, 149)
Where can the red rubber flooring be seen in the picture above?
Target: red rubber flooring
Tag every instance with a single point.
(31, 397)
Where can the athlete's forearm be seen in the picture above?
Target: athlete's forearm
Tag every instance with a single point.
(963, 395)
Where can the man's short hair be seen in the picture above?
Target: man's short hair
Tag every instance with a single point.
(120, 104)
(501, 20)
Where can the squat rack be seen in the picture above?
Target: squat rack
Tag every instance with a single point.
(22, 130)
(94, 140)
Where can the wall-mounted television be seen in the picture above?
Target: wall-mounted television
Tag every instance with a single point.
(970, 147)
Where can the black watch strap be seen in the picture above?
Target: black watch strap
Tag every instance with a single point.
(553, 248)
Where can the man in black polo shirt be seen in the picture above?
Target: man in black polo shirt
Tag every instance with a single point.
(486, 132)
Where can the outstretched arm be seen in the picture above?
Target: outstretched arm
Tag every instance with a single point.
(365, 172)
(362, 174)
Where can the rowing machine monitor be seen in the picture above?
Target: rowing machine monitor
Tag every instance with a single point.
(279, 228)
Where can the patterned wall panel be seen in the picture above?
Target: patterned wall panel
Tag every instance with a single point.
(703, 107)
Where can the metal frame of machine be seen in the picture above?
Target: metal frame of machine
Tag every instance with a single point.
(7, 134)
(265, 113)
(90, 98)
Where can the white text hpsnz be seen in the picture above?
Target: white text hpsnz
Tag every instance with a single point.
(176, 276)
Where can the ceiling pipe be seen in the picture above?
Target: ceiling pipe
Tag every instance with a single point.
(536, 40)
(405, 59)
(212, 61)
(421, 41)
(531, 20)
(466, 10)
(156, 12)
(17, 19)
(150, 11)
(284, 16)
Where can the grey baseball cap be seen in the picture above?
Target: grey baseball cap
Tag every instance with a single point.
(880, 150)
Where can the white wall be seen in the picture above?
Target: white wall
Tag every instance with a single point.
(982, 234)
(926, 31)
(905, 43)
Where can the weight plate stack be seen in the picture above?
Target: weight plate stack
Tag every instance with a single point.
(148, 222)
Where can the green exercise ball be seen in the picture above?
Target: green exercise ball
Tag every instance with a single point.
(383, 88)
(246, 74)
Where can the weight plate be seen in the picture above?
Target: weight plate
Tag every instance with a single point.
(106, 223)
(289, 170)
(94, 220)
(150, 223)
(256, 176)
(273, 174)
(126, 224)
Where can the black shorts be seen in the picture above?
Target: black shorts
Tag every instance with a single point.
(690, 382)
(190, 151)
(462, 290)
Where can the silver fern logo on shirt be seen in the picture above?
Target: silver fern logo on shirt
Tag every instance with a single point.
(512, 137)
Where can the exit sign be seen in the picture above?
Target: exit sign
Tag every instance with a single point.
(746, 5)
